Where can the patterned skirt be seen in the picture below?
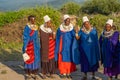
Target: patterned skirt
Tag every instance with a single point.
(32, 66)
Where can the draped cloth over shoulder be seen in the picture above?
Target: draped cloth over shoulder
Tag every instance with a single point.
(89, 50)
(31, 46)
(110, 51)
(65, 50)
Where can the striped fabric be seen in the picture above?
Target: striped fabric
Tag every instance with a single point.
(31, 64)
(30, 52)
(51, 48)
(32, 32)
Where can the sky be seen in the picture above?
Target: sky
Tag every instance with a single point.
(11, 5)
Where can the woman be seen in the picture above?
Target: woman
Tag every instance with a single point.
(47, 39)
(89, 48)
(31, 49)
(109, 40)
(64, 45)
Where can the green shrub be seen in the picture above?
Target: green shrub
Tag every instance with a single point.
(39, 12)
(71, 8)
(101, 6)
(9, 17)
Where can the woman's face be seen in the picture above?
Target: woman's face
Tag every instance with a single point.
(108, 27)
(67, 22)
(114, 27)
(32, 20)
(48, 24)
(87, 25)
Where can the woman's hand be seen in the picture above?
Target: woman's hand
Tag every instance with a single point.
(53, 30)
(77, 29)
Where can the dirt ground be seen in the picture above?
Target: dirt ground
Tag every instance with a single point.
(13, 32)
(13, 70)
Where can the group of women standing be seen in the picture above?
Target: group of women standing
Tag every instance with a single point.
(69, 46)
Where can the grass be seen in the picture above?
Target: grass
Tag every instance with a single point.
(10, 17)
(10, 51)
(4, 72)
(9, 45)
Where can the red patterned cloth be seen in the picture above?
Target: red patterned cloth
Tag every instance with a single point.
(30, 50)
(51, 48)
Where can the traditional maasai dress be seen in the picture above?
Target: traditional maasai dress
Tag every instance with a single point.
(31, 46)
(109, 42)
(64, 52)
(89, 50)
(48, 64)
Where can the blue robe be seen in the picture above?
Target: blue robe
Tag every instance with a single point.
(118, 51)
(35, 39)
(70, 52)
(90, 53)
(108, 47)
(110, 52)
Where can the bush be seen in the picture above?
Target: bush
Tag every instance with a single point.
(101, 6)
(10, 17)
(71, 8)
(39, 12)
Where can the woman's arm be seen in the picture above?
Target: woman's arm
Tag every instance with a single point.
(115, 38)
(77, 32)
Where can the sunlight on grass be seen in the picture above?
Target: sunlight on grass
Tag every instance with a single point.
(4, 72)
